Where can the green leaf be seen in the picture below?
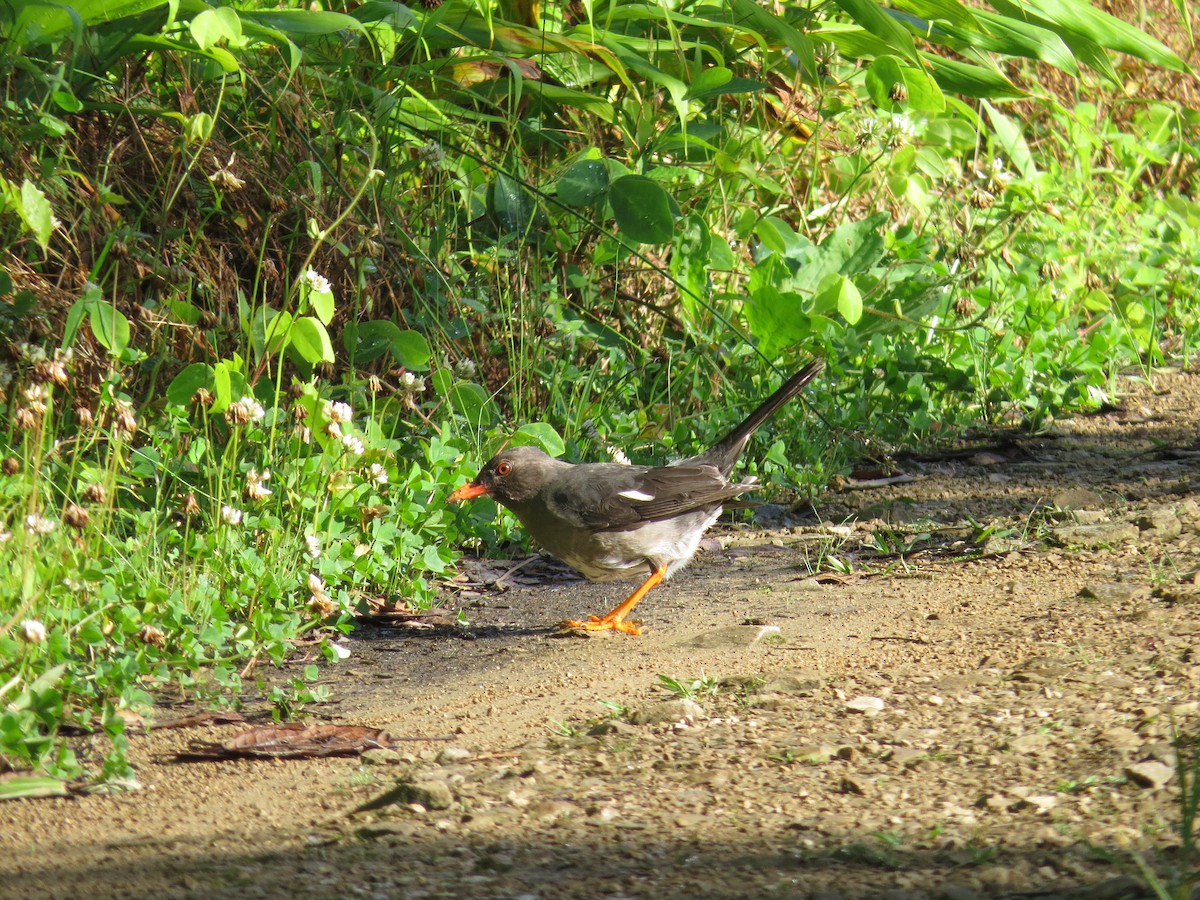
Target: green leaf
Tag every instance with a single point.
(30, 786)
(1012, 141)
(411, 349)
(841, 294)
(1107, 31)
(109, 326)
(511, 206)
(471, 402)
(643, 209)
(539, 434)
(709, 82)
(212, 26)
(878, 23)
(367, 341)
(777, 319)
(584, 183)
(35, 213)
(184, 385)
(310, 339)
(321, 303)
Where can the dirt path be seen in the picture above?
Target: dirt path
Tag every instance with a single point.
(934, 727)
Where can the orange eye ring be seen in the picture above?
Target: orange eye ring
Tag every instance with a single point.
(503, 468)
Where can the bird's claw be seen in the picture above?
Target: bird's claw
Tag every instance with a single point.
(595, 623)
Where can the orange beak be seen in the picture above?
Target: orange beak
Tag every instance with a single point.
(467, 492)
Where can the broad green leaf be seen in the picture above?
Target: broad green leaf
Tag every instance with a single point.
(856, 246)
(893, 85)
(709, 81)
(222, 387)
(303, 22)
(512, 206)
(961, 78)
(872, 17)
(411, 350)
(842, 295)
(777, 319)
(367, 341)
(583, 183)
(1107, 31)
(539, 434)
(109, 326)
(212, 26)
(321, 303)
(472, 402)
(36, 213)
(643, 209)
(310, 339)
(184, 385)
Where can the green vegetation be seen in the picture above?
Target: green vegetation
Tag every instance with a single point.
(276, 278)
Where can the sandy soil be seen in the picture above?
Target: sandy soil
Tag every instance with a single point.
(939, 724)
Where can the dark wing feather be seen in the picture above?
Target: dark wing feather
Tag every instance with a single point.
(605, 497)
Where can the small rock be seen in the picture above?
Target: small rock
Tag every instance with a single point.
(1078, 498)
(733, 636)
(1159, 524)
(1111, 592)
(453, 755)
(850, 784)
(380, 756)
(1091, 537)
(429, 794)
(668, 712)
(1149, 774)
(790, 683)
(864, 704)
(1030, 743)
(909, 757)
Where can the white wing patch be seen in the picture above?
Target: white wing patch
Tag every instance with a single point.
(634, 494)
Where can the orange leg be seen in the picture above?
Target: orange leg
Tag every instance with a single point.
(615, 620)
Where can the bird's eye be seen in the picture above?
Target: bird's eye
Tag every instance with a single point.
(503, 468)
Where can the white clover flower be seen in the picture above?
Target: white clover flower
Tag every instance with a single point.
(36, 524)
(255, 487)
(464, 369)
(378, 474)
(33, 631)
(341, 651)
(353, 445)
(618, 456)
(312, 546)
(316, 281)
(31, 353)
(338, 412)
(316, 586)
(231, 515)
(432, 153)
(361, 550)
(5, 535)
(411, 384)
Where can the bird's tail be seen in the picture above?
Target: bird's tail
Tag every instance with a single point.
(726, 452)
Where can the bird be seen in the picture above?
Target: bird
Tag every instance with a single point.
(613, 522)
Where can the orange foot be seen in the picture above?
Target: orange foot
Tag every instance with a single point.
(608, 623)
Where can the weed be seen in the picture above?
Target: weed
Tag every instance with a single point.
(696, 689)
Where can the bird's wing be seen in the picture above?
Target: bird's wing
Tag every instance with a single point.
(627, 496)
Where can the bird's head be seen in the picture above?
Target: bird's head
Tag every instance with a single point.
(513, 475)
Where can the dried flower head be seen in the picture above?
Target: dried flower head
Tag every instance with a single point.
(94, 493)
(191, 506)
(152, 636)
(75, 516)
(122, 416)
(25, 419)
(10, 466)
(1050, 270)
(203, 397)
(84, 416)
(321, 606)
(225, 179)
